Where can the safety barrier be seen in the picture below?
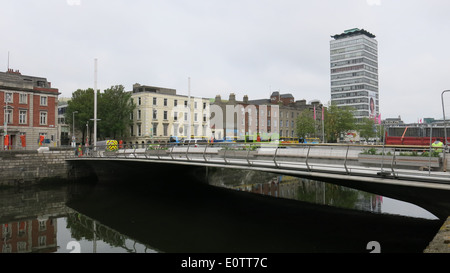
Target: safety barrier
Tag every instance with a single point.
(363, 160)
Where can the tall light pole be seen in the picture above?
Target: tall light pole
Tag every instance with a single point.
(95, 103)
(445, 123)
(73, 128)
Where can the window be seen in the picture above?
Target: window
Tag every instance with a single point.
(195, 105)
(175, 103)
(138, 130)
(22, 116)
(44, 100)
(43, 118)
(165, 115)
(138, 114)
(185, 103)
(154, 101)
(23, 98)
(204, 105)
(8, 97)
(155, 114)
(195, 117)
(155, 129)
(165, 102)
(185, 116)
(139, 101)
(9, 116)
(165, 129)
(175, 116)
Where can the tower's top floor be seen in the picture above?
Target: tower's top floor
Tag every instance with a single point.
(352, 32)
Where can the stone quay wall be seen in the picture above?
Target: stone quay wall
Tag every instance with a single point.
(30, 167)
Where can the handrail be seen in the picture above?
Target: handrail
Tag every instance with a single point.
(317, 157)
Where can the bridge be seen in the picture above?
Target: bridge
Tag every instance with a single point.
(413, 174)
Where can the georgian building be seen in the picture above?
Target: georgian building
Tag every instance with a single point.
(29, 116)
(161, 113)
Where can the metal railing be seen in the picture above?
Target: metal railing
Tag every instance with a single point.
(364, 160)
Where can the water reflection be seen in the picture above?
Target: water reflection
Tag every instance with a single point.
(37, 220)
(333, 195)
(155, 215)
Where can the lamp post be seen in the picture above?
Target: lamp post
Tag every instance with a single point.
(445, 124)
(73, 128)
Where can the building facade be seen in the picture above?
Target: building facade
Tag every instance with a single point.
(354, 72)
(161, 113)
(29, 116)
(271, 118)
(243, 120)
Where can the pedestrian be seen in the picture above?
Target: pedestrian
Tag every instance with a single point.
(80, 151)
(437, 145)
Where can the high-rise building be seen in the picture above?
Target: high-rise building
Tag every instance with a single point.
(354, 72)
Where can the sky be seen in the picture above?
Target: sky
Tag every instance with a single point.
(246, 47)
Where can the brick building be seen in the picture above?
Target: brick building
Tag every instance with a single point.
(29, 116)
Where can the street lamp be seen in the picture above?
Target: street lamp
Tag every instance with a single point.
(73, 128)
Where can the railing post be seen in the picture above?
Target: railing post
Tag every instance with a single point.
(225, 155)
(345, 161)
(248, 153)
(307, 157)
(187, 150)
(171, 151)
(146, 151)
(275, 157)
(204, 151)
(392, 163)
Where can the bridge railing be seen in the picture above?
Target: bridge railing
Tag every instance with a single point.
(392, 161)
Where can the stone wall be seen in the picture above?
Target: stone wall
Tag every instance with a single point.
(28, 167)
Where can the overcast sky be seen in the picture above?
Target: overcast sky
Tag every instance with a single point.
(248, 47)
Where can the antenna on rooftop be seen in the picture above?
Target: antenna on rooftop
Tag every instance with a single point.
(8, 61)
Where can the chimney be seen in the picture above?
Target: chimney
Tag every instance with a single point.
(232, 97)
(246, 99)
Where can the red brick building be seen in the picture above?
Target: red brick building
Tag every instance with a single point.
(29, 116)
(34, 235)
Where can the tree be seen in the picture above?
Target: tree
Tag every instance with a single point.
(366, 128)
(82, 102)
(114, 109)
(305, 124)
(337, 121)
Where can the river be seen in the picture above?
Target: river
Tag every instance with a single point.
(247, 212)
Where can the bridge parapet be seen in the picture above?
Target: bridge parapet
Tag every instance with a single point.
(412, 162)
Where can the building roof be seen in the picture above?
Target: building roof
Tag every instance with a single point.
(353, 32)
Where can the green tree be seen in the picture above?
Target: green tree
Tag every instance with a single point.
(305, 124)
(114, 109)
(82, 102)
(338, 120)
(366, 128)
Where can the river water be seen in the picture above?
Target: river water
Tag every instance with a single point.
(248, 212)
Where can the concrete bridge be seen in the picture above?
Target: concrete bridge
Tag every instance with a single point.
(412, 174)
